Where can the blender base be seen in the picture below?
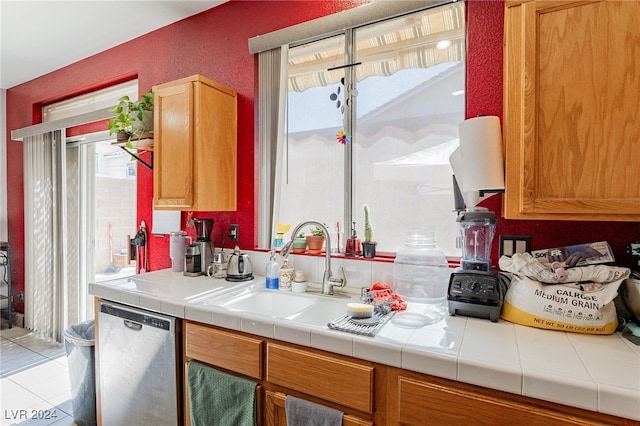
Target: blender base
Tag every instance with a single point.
(476, 294)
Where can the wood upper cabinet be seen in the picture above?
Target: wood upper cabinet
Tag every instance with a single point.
(195, 147)
(571, 110)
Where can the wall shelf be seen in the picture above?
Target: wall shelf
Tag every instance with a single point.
(141, 145)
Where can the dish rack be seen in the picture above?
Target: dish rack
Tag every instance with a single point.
(381, 311)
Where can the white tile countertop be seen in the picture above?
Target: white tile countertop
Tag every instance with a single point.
(597, 373)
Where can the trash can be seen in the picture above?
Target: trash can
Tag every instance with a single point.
(79, 343)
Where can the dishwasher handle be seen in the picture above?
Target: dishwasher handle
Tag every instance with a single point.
(132, 325)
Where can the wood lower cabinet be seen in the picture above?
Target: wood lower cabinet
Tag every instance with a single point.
(225, 349)
(281, 369)
(367, 393)
(571, 110)
(195, 146)
(275, 412)
(325, 376)
(443, 402)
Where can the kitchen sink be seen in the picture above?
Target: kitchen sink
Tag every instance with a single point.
(321, 313)
(269, 302)
(309, 308)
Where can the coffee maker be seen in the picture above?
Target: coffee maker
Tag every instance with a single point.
(192, 260)
(199, 254)
(475, 289)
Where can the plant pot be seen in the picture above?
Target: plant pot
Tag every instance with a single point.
(122, 137)
(369, 249)
(299, 245)
(314, 243)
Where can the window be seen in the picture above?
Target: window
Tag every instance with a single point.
(101, 200)
(397, 87)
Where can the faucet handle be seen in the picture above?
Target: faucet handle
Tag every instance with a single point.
(337, 281)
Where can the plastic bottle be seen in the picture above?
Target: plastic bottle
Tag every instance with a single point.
(420, 270)
(286, 276)
(272, 272)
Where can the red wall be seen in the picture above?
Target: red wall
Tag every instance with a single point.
(214, 44)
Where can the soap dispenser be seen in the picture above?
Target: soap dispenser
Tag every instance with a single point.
(286, 276)
(352, 248)
(272, 272)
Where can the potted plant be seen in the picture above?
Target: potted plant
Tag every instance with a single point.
(315, 241)
(133, 123)
(299, 244)
(368, 246)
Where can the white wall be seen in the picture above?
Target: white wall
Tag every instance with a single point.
(3, 165)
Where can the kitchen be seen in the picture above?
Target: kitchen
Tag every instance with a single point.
(239, 21)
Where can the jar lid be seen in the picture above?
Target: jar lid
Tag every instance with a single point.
(420, 238)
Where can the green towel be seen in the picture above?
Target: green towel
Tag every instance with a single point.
(220, 399)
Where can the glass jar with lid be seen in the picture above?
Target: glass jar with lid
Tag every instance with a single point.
(421, 277)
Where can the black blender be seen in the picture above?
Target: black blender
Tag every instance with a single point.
(475, 289)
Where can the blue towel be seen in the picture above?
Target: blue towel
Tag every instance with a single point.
(301, 412)
(220, 399)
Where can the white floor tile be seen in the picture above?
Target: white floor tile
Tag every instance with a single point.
(34, 386)
(15, 397)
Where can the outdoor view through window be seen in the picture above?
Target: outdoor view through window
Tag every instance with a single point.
(401, 105)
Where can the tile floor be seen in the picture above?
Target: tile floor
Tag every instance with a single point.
(34, 380)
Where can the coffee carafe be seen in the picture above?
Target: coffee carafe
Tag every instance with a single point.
(192, 260)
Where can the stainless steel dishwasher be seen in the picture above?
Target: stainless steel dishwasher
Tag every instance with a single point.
(137, 374)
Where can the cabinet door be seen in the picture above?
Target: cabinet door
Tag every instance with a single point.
(571, 110)
(195, 164)
(228, 350)
(326, 377)
(276, 415)
(173, 151)
(215, 146)
(443, 405)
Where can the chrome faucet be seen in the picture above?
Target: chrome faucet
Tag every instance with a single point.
(328, 280)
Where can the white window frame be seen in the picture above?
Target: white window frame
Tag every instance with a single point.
(272, 49)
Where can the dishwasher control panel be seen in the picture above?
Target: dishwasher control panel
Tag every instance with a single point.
(137, 316)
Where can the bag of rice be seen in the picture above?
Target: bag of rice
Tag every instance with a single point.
(581, 302)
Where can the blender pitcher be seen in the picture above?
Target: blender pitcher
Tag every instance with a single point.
(477, 228)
